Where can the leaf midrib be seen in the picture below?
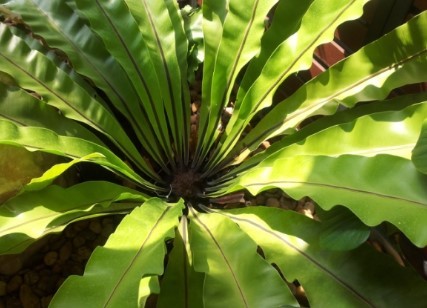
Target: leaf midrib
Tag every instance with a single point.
(233, 70)
(337, 187)
(137, 69)
(324, 101)
(164, 62)
(284, 73)
(309, 258)
(133, 261)
(99, 73)
(218, 246)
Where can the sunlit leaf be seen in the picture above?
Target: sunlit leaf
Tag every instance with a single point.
(136, 250)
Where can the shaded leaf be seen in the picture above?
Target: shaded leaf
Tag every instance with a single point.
(357, 278)
(162, 30)
(63, 90)
(41, 139)
(54, 172)
(61, 27)
(24, 109)
(181, 285)
(242, 29)
(236, 276)
(193, 28)
(119, 30)
(419, 153)
(214, 13)
(341, 230)
(31, 215)
(133, 252)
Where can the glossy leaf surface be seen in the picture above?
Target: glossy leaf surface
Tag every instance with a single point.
(368, 74)
(136, 250)
(235, 274)
(357, 278)
(60, 89)
(294, 54)
(29, 216)
(41, 139)
(371, 187)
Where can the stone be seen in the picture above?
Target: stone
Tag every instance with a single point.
(88, 235)
(50, 258)
(10, 264)
(70, 232)
(14, 284)
(28, 298)
(79, 241)
(195, 107)
(47, 284)
(81, 225)
(84, 253)
(65, 251)
(95, 226)
(272, 202)
(260, 200)
(107, 221)
(56, 242)
(309, 205)
(31, 277)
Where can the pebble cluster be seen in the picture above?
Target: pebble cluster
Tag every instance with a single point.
(29, 280)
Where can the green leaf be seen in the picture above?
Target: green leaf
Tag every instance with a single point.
(341, 230)
(214, 13)
(393, 126)
(193, 18)
(147, 286)
(239, 42)
(62, 28)
(162, 29)
(31, 215)
(119, 30)
(181, 285)
(371, 187)
(357, 278)
(276, 34)
(65, 91)
(369, 74)
(295, 54)
(24, 109)
(54, 172)
(236, 276)
(41, 139)
(135, 251)
(419, 153)
(390, 132)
